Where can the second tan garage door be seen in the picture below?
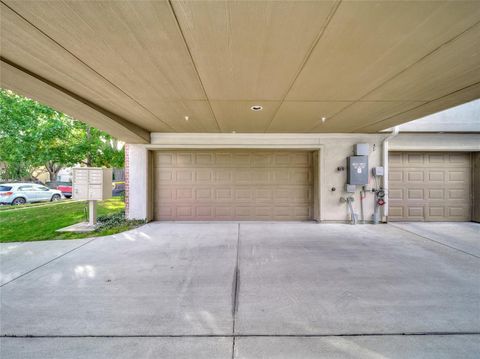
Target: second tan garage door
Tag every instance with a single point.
(429, 186)
(233, 185)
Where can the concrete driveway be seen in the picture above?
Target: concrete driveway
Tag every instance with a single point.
(249, 290)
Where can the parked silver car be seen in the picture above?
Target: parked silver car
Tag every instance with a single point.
(21, 193)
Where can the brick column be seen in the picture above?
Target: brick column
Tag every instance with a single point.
(127, 177)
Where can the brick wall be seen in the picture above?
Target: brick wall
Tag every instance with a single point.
(127, 177)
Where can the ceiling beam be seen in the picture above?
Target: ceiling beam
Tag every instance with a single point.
(455, 98)
(32, 85)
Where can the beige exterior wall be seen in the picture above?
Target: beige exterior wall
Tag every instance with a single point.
(436, 142)
(332, 151)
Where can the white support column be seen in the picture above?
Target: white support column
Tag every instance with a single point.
(138, 191)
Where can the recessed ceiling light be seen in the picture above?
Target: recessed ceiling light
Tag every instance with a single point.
(187, 118)
(324, 119)
(256, 108)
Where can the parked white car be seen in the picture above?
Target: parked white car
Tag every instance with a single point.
(21, 193)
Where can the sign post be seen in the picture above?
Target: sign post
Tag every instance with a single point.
(92, 213)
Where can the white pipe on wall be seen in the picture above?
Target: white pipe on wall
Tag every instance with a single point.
(394, 133)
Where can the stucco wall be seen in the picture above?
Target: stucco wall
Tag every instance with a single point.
(436, 142)
(334, 148)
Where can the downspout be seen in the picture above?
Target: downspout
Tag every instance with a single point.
(394, 133)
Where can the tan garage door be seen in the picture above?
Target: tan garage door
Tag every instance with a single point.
(233, 185)
(429, 186)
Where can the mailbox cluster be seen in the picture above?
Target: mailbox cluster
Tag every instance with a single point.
(92, 183)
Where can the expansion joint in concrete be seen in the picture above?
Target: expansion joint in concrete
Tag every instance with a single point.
(327, 335)
(44, 264)
(433, 240)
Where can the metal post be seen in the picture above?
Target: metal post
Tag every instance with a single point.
(92, 213)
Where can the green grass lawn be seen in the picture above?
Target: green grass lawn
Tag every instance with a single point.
(37, 223)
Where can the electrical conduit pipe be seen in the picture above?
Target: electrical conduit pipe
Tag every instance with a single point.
(394, 133)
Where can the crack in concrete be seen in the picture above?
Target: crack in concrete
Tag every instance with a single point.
(235, 291)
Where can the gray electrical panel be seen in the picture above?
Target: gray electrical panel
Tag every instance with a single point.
(357, 170)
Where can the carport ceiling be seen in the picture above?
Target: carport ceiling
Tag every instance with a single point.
(137, 67)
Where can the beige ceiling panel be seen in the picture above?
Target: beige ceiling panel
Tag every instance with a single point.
(25, 46)
(367, 43)
(237, 115)
(362, 113)
(135, 44)
(295, 116)
(200, 116)
(250, 49)
(457, 98)
(454, 66)
(26, 85)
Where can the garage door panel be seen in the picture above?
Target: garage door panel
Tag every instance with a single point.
(436, 158)
(414, 159)
(244, 194)
(457, 176)
(396, 194)
(457, 194)
(436, 194)
(395, 159)
(184, 176)
(233, 185)
(224, 194)
(204, 175)
(457, 212)
(223, 175)
(435, 176)
(264, 194)
(431, 186)
(223, 158)
(203, 194)
(182, 160)
(396, 211)
(395, 175)
(415, 176)
(415, 194)
(164, 159)
(458, 159)
(438, 212)
(415, 212)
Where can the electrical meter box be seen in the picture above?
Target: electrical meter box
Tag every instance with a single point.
(378, 171)
(357, 170)
(92, 183)
(361, 149)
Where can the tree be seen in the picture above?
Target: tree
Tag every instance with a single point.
(33, 135)
(100, 149)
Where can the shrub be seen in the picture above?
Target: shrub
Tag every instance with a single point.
(114, 220)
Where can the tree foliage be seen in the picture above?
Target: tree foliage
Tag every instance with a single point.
(33, 135)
